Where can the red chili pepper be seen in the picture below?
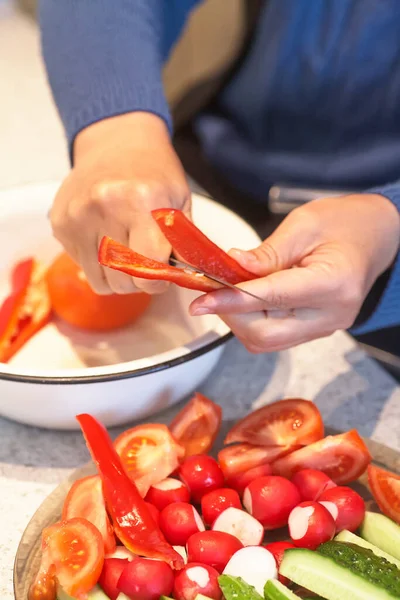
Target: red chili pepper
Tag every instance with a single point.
(196, 249)
(25, 311)
(116, 256)
(132, 520)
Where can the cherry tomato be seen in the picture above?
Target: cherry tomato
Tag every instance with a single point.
(167, 492)
(201, 474)
(213, 548)
(85, 499)
(344, 458)
(236, 460)
(278, 550)
(149, 454)
(74, 301)
(215, 502)
(241, 481)
(385, 487)
(195, 579)
(196, 426)
(311, 524)
(292, 422)
(311, 483)
(73, 553)
(270, 500)
(146, 579)
(346, 507)
(179, 521)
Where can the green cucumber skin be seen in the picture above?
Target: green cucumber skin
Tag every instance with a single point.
(321, 575)
(347, 536)
(234, 588)
(381, 532)
(275, 590)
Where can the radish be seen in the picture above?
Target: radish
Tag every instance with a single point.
(213, 548)
(215, 502)
(201, 474)
(166, 492)
(346, 507)
(240, 524)
(121, 552)
(179, 521)
(108, 580)
(194, 579)
(277, 549)
(146, 579)
(255, 565)
(240, 481)
(312, 483)
(270, 500)
(311, 524)
(155, 513)
(182, 551)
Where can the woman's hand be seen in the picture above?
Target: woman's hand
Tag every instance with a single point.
(339, 247)
(125, 167)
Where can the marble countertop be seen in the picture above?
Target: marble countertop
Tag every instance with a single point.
(349, 388)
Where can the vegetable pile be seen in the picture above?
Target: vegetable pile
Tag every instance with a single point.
(165, 519)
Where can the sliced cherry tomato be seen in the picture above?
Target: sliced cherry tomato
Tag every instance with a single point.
(385, 487)
(149, 454)
(72, 556)
(344, 458)
(196, 426)
(292, 422)
(85, 499)
(235, 460)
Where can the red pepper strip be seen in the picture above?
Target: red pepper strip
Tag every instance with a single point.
(132, 520)
(25, 311)
(196, 249)
(116, 256)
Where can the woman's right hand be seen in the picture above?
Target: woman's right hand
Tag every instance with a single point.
(125, 167)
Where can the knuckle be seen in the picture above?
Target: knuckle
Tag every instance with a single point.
(279, 300)
(267, 253)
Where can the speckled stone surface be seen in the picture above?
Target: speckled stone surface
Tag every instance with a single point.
(349, 388)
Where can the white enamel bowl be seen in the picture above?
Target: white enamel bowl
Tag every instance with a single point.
(120, 376)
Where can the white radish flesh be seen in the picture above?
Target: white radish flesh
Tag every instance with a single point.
(122, 552)
(241, 525)
(255, 565)
(182, 551)
(298, 521)
(332, 508)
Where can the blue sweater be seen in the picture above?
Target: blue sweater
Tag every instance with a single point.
(316, 102)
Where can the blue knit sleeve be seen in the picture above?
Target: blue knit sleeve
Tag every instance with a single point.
(105, 57)
(387, 313)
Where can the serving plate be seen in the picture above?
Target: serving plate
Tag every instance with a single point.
(28, 554)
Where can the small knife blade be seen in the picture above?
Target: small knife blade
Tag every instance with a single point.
(187, 267)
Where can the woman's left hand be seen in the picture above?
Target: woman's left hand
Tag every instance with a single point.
(339, 247)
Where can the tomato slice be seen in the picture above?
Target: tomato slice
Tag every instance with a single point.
(85, 499)
(196, 426)
(344, 458)
(385, 487)
(72, 556)
(235, 460)
(149, 454)
(285, 422)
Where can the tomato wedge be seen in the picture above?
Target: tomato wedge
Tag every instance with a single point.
(238, 459)
(85, 499)
(291, 422)
(72, 556)
(344, 458)
(385, 488)
(196, 426)
(149, 454)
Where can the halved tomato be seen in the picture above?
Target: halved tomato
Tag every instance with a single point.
(196, 426)
(72, 556)
(85, 499)
(235, 460)
(149, 454)
(342, 457)
(385, 487)
(291, 422)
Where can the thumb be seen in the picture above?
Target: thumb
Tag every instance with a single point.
(284, 248)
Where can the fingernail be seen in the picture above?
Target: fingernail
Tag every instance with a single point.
(242, 255)
(201, 310)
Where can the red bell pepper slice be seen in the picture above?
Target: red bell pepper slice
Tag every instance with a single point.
(26, 310)
(132, 519)
(196, 249)
(116, 256)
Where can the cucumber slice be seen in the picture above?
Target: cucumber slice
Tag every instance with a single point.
(322, 575)
(275, 590)
(382, 532)
(95, 594)
(347, 536)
